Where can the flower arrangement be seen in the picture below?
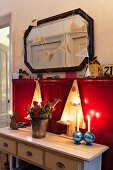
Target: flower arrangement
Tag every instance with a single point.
(42, 110)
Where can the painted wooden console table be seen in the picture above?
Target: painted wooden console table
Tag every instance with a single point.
(52, 152)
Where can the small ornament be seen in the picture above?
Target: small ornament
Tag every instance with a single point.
(94, 67)
(77, 28)
(74, 27)
(87, 73)
(23, 74)
(83, 53)
(20, 73)
(34, 22)
(77, 137)
(13, 124)
(89, 138)
(83, 28)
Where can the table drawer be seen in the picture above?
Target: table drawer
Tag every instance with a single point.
(30, 153)
(56, 162)
(7, 145)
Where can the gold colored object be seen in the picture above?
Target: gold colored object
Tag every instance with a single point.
(13, 124)
(39, 128)
(94, 68)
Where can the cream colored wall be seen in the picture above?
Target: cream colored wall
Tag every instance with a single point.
(23, 11)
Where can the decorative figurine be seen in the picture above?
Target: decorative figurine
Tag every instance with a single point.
(13, 124)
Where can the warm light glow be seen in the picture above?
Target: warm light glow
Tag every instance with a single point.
(88, 116)
(65, 117)
(97, 114)
(10, 112)
(86, 101)
(37, 93)
(39, 103)
(73, 108)
(91, 112)
(83, 125)
(76, 101)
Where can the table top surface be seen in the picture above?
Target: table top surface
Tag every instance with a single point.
(57, 143)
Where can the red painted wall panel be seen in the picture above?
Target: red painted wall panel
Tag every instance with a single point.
(96, 94)
(23, 91)
(52, 89)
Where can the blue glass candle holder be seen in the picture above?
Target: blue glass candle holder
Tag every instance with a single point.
(89, 138)
(77, 137)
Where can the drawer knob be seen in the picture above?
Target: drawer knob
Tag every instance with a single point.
(60, 165)
(28, 153)
(5, 145)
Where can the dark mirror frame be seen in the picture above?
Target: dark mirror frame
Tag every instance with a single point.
(56, 17)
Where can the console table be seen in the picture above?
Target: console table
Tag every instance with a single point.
(53, 152)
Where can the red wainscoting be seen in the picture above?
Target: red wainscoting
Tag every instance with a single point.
(96, 95)
(54, 89)
(23, 91)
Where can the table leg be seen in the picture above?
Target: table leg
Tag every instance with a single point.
(0, 161)
(11, 162)
(17, 162)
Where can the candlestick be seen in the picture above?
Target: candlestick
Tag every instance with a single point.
(77, 137)
(89, 119)
(89, 138)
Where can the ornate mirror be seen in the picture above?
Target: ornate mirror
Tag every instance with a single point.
(63, 42)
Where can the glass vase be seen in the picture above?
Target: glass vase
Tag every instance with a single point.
(39, 128)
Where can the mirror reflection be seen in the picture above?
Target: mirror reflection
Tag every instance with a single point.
(61, 43)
